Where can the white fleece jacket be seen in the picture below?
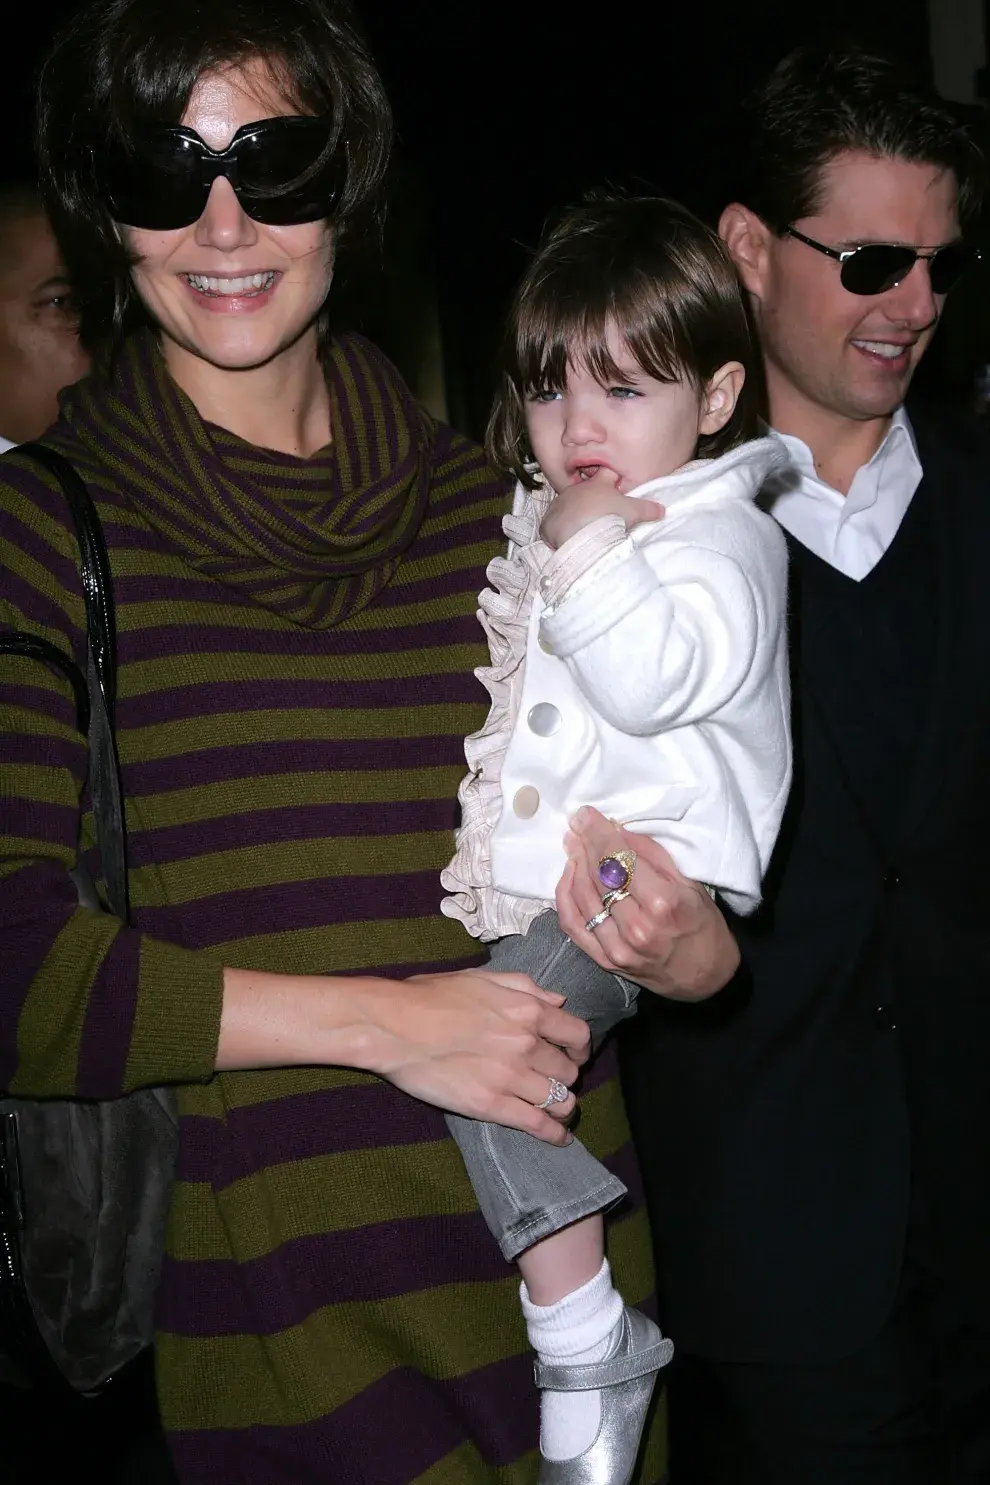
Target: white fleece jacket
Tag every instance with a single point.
(644, 673)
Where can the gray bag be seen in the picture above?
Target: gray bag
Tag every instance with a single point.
(84, 1186)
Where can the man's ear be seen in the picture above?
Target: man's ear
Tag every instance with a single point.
(721, 396)
(747, 237)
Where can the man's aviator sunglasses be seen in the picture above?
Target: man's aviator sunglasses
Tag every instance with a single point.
(163, 179)
(876, 267)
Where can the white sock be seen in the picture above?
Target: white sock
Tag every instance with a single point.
(582, 1327)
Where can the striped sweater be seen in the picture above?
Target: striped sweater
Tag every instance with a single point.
(297, 641)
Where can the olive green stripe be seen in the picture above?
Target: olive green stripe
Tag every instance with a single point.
(464, 513)
(439, 565)
(50, 1026)
(240, 796)
(31, 850)
(280, 862)
(177, 1016)
(627, 1239)
(350, 947)
(145, 676)
(237, 729)
(236, 1090)
(30, 723)
(348, 1190)
(328, 1193)
(40, 781)
(308, 1357)
(451, 602)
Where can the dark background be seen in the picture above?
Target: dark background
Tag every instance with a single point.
(507, 113)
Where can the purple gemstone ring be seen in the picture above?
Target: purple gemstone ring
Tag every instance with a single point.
(615, 871)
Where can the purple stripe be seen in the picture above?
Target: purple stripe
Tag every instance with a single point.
(35, 905)
(303, 1127)
(213, 698)
(275, 826)
(483, 532)
(64, 569)
(282, 1289)
(424, 590)
(202, 639)
(174, 589)
(260, 760)
(387, 1435)
(282, 907)
(37, 819)
(41, 611)
(43, 751)
(60, 708)
(333, 1121)
(106, 1031)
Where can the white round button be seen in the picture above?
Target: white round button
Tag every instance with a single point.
(543, 719)
(526, 802)
(545, 645)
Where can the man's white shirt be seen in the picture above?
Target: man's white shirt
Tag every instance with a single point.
(849, 532)
(6, 444)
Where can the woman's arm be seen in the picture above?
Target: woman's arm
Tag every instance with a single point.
(473, 1042)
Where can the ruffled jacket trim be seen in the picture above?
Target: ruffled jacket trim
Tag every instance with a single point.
(504, 612)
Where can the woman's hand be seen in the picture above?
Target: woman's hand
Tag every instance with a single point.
(484, 1044)
(473, 1042)
(667, 935)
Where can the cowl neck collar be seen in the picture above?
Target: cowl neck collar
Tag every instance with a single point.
(311, 539)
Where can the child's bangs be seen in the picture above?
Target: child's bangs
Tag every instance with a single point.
(553, 336)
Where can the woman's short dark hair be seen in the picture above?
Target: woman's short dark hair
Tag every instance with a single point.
(661, 278)
(121, 64)
(822, 102)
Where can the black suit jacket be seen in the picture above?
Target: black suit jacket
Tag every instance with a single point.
(779, 1125)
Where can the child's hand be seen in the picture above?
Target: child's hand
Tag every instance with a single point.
(588, 500)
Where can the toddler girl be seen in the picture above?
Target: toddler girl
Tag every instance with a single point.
(639, 664)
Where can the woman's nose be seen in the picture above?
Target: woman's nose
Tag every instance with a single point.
(224, 223)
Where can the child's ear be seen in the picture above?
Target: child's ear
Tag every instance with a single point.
(721, 396)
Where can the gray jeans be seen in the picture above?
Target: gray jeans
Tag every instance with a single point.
(526, 1188)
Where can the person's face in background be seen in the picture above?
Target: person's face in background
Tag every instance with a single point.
(39, 345)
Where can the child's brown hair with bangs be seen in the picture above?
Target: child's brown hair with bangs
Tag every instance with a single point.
(649, 268)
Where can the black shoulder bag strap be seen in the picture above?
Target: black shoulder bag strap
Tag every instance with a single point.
(104, 1316)
(96, 696)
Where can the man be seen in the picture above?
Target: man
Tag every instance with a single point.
(816, 1138)
(39, 347)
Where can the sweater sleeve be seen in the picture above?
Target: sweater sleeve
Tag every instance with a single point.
(88, 1007)
(657, 636)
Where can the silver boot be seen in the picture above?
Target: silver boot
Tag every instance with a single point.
(626, 1380)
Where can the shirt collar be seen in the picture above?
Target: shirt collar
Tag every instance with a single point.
(868, 479)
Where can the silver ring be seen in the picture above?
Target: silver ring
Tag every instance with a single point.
(557, 1094)
(618, 894)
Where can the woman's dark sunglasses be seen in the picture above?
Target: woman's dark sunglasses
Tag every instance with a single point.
(163, 179)
(878, 266)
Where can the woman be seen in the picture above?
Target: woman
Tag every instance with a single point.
(296, 551)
